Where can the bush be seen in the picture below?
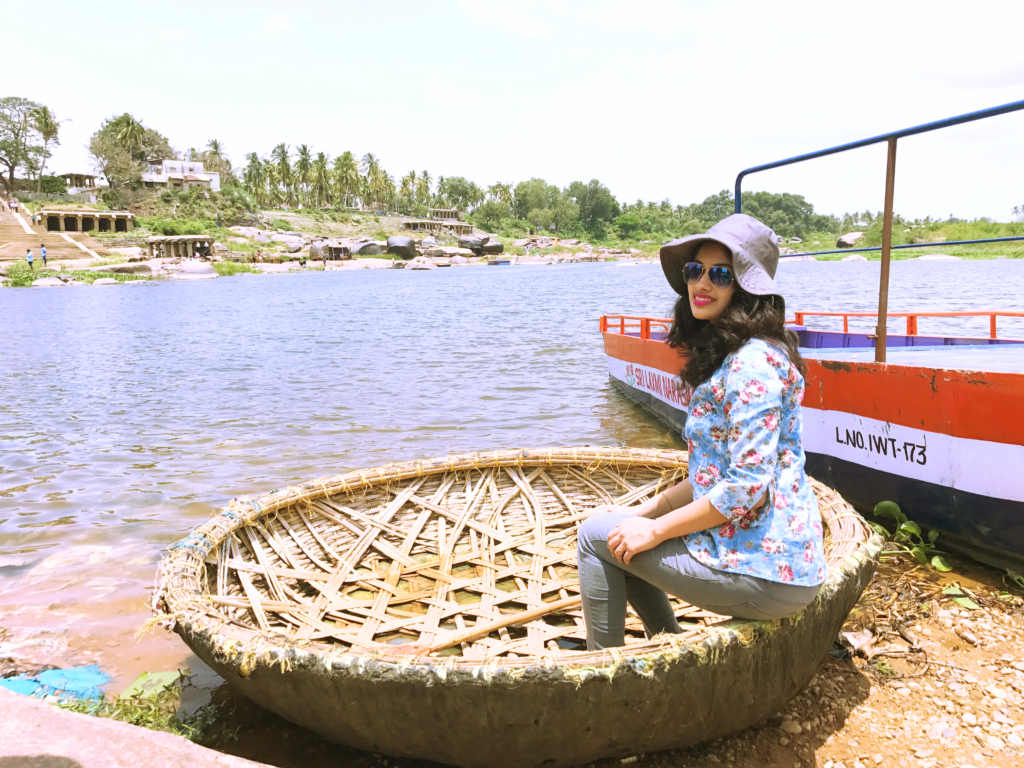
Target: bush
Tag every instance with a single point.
(280, 224)
(381, 234)
(54, 185)
(114, 199)
(163, 226)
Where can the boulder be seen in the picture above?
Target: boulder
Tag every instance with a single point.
(48, 282)
(420, 262)
(220, 247)
(261, 239)
(459, 261)
(295, 248)
(131, 253)
(522, 242)
(124, 269)
(474, 243)
(402, 246)
(105, 281)
(433, 251)
(194, 270)
(854, 257)
(795, 240)
(369, 248)
(288, 233)
(492, 246)
(315, 251)
(429, 241)
(452, 251)
(568, 242)
(849, 240)
(238, 240)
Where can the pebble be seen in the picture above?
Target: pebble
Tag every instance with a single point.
(903, 691)
(792, 727)
(969, 719)
(921, 754)
(1014, 740)
(878, 758)
(783, 742)
(994, 742)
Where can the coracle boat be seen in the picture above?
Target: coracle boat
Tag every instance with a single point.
(301, 597)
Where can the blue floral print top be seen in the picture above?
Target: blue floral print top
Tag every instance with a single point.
(744, 436)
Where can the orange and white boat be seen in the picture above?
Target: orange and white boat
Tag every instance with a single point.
(934, 423)
(938, 428)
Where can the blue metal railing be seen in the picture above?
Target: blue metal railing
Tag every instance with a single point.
(890, 183)
(939, 244)
(925, 128)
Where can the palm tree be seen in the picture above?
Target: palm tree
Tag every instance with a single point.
(303, 165)
(346, 176)
(254, 177)
(129, 132)
(215, 149)
(501, 192)
(423, 187)
(274, 196)
(47, 126)
(321, 180)
(408, 186)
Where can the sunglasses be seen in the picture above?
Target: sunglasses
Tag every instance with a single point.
(721, 277)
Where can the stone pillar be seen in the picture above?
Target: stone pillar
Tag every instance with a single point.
(60, 218)
(149, 250)
(130, 224)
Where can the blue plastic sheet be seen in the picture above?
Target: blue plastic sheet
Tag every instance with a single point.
(73, 683)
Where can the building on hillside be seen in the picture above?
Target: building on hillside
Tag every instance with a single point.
(180, 174)
(433, 225)
(85, 220)
(444, 214)
(79, 182)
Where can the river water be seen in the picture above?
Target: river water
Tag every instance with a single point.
(129, 414)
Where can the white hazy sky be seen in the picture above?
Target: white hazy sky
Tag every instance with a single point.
(656, 98)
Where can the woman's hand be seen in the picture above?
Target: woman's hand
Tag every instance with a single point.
(630, 537)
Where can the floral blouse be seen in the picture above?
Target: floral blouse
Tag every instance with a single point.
(744, 436)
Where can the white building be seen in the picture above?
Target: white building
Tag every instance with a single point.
(179, 174)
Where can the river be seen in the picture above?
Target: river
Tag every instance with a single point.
(129, 413)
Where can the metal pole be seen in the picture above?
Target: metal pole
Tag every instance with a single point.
(883, 286)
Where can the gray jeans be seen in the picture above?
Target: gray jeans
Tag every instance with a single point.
(606, 585)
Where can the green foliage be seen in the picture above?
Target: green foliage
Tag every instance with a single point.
(491, 214)
(280, 224)
(1013, 578)
(381, 234)
(114, 199)
(53, 185)
(19, 146)
(229, 268)
(908, 536)
(597, 206)
(21, 276)
(955, 593)
(167, 226)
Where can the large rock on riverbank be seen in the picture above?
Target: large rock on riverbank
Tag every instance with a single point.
(48, 282)
(849, 239)
(403, 246)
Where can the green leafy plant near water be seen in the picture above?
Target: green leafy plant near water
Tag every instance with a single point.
(21, 276)
(229, 268)
(157, 711)
(908, 536)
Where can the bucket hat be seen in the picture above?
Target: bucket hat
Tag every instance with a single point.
(754, 248)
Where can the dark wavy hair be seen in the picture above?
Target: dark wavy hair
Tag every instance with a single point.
(747, 317)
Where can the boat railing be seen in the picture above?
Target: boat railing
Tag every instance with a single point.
(890, 182)
(634, 325)
(912, 317)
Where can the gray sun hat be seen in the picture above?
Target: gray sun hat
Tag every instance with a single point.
(754, 248)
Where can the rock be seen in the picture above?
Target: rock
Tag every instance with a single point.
(48, 282)
(521, 243)
(473, 243)
(459, 261)
(105, 281)
(420, 262)
(492, 246)
(219, 247)
(429, 241)
(238, 240)
(969, 719)
(854, 257)
(129, 252)
(433, 251)
(450, 251)
(403, 246)
(995, 743)
(289, 233)
(124, 269)
(194, 270)
(569, 243)
(295, 248)
(795, 240)
(1015, 741)
(261, 238)
(792, 727)
(849, 240)
(937, 257)
(369, 248)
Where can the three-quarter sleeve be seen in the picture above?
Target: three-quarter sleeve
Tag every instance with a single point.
(752, 408)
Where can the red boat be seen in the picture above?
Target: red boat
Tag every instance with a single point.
(934, 423)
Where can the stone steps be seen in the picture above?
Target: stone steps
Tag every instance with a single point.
(14, 240)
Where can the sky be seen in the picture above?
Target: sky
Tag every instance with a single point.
(655, 98)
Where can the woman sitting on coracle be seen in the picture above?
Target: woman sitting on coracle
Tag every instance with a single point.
(742, 536)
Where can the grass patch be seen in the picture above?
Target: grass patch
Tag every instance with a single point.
(229, 268)
(21, 276)
(281, 224)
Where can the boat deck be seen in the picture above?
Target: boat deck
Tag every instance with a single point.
(1008, 358)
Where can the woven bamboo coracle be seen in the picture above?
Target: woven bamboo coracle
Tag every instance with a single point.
(301, 598)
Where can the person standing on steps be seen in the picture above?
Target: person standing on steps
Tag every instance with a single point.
(28, 258)
(42, 252)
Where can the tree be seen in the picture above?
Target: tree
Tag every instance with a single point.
(321, 181)
(47, 126)
(460, 192)
(346, 177)
(597, 206)
(129, 132)
(216, 160)
(254, 177)
(423, 187)
(15, 135)
(303, 166)
(123, 148)
(535, 194)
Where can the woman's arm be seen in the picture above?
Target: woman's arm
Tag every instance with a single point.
(677, 496)
(633, 536)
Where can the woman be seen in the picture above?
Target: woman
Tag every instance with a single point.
(742, 535)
